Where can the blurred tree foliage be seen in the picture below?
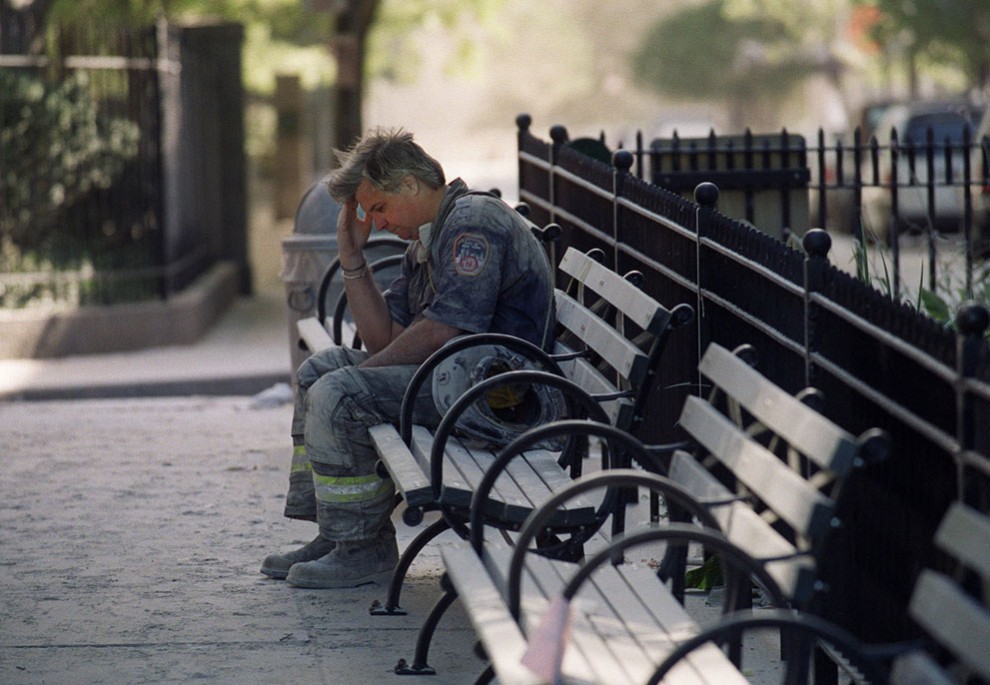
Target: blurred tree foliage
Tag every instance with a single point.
(323, 41)
(942, 32)
(720, 51)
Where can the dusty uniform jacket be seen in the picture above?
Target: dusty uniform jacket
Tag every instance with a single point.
(484, 271)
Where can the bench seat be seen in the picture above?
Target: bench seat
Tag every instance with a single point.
(758, 488)
(525, 485)
(623, 623)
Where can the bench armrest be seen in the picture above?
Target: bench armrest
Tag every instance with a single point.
(313, 334)
(799, 632)
(425, 370)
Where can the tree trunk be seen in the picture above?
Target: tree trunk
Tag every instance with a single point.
(348, 46)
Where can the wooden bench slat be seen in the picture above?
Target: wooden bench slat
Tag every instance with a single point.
(745, 529)
(463, 470)
(609, 636)
(406, 472)
(534, 601)
(528, 481)
(526, 472)
(790, 496)
(954, 619)
(488, 614)
(639, 307)
(598, 661)
(641, 601)
(605, 651)
(620, 353)
(706, 665)
(313, 334)
(965, 534)
(812, 434)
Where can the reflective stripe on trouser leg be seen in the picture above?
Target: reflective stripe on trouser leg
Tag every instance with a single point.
(300, 502)
(341, 407)
(352, 507)
(338, 489)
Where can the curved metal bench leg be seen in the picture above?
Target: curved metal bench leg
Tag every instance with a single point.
(487, 676)
(392, 607)
(420, 665)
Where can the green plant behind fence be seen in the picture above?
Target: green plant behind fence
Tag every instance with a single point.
(60, 153)
(943, 299)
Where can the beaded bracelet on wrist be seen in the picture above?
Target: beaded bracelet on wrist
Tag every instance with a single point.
(354, 274)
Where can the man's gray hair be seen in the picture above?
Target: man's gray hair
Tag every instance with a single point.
(384, 157)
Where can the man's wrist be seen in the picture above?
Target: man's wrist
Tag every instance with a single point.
(359, 272)
(354, 261)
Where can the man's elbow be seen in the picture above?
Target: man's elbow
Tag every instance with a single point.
(441, 333)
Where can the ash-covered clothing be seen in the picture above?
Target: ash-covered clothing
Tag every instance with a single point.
(333, 479)
(483, 271)
(486, 272)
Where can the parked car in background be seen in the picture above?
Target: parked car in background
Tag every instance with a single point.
(940, 204)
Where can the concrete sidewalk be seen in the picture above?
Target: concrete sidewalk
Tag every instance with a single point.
(131, 532)
(244, 353)
(140, 492)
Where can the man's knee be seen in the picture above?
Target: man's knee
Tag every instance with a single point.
(326, 361)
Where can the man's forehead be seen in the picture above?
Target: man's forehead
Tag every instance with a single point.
(366, 194)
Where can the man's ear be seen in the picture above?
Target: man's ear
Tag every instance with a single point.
(410, 184)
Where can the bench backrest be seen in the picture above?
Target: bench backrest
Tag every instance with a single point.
(621, 330)
(769, 465)
(954, 610)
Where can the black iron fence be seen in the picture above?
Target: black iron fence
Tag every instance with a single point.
(82, 217)
(930, 185)
(121, 161)
(877, 361)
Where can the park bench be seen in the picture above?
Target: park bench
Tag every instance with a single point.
(953, 609)
(611, 339)
(951, 606)
(765, 468)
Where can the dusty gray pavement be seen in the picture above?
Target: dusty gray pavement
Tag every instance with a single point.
(246, 351)
(135, 511)
(131, 532)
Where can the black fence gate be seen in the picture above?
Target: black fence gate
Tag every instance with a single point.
(122, 172)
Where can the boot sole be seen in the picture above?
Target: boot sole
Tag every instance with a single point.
(274, 573)
(380, 578)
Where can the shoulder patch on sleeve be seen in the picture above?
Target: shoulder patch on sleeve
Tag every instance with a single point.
(470, 254)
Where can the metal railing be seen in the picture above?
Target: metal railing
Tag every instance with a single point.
(81, 178)
(935, 190)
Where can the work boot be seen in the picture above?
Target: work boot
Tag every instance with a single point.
(350, 564)
(277, 565)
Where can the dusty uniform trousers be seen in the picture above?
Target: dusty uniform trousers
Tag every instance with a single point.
(333, 478)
